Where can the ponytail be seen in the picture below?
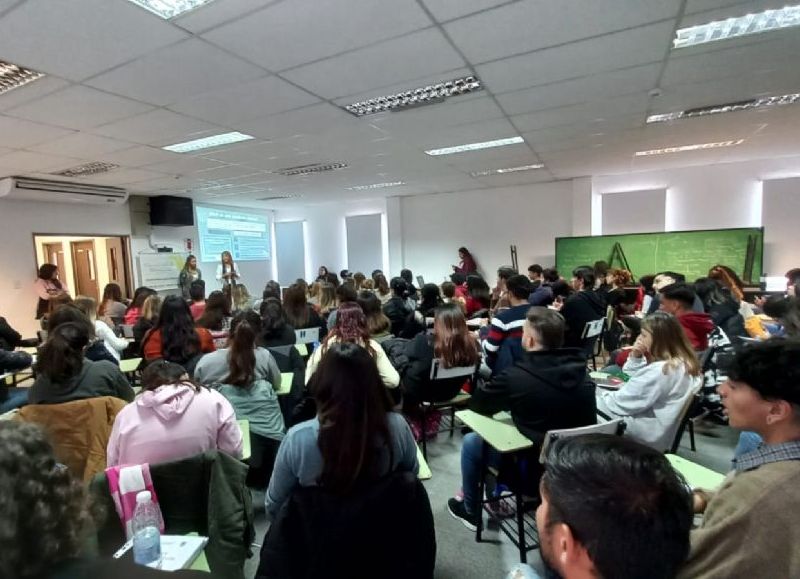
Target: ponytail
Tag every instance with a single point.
(61, 357)
(241, 349)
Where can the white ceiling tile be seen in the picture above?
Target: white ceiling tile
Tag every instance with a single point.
(259, 98)
(413, 56)
(183, 165)
(249, 154)
(138, 156)
(308, 30)
(83, 145)
(216, 13)
(31, 91)
(537, 24)
(27, 161)
(79, 107)
(444, 10)
(223, 172)
(634, 47)
(595, 111)
(454, 111)
(18, 133)
(309, 120)
(76, 40)
(599, 86)
(181, 71)
(158, 127)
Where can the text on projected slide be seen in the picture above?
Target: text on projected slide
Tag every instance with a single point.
(245, 235)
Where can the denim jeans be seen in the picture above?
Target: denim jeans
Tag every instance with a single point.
(471, 452)
(16, 399)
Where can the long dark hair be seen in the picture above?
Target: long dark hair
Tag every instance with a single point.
(381, 285)
(218, 307)
(479, 290)
(46, 272)
(164, 373)
(139, 295)
(241, 349)
(179, 339)
(189, 258)
(70, 313)
(377, 322)
(111, 292)
(352, 408)
(61, 357)
(273, 319)
(431, 299)
(296, 307)
(452, 342)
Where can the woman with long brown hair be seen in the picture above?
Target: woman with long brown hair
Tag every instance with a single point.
(47, 287)
(327, 299)
(351, 326)
(111, 306)
(216, 317)
(227, 272)
(354, 439)
(382, 289)
(299, 314)
(664, 372)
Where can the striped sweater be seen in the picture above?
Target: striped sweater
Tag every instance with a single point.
(506, 324)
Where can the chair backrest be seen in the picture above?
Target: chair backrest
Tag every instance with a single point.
(616, 427)
(439, 372)
(127, 330)
(282, 350)
(593, 328)
(307, 335)
(691, 403)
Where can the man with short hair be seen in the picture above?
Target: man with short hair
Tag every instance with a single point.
(543, 295)
(677, 299)
(665, 279)
(612, 508)
(584, 306)
(750, 525)
(547, 389)
(503, 342)
(500, 292)
(535, 272)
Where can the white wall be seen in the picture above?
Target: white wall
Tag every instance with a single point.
(780, 216)
(487, 222)
(19, 220)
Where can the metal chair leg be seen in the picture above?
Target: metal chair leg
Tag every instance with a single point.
(691, 436)
(424, 437)
(481, 487)
(523, 554)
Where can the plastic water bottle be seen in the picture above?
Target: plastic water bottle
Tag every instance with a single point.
(146, 534)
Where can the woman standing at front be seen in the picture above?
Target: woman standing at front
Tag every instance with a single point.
(48, 286)
(189, 274)
(227, 273)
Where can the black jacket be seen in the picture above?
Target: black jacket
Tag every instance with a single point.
(397, 311)
(417, 383)
(545, 390)
(584, 306)
(9, 337)
(284, 336)
(727, 317)
(384, 530)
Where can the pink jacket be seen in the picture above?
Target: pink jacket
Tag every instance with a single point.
(171, 423)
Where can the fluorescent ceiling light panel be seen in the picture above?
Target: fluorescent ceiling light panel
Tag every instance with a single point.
(416, 97)
(278, 197)
(766, 21)
(13, 76)
(207, 142)
(506, 170)
(376, 186)
(310, 169)
(169, 8)
(758, 103)
(475, 146)
(684, 148)
(93, 168)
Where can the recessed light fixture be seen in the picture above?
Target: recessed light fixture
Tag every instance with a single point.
(278, 197)
(476, 146)
(507, 170)
(376, 186)
(207, 142)
(169, 8)
(310, 169)
(684, 148)
(746, 25)
(758, 103)
(92, 168)
(416, 97)
(13, 76)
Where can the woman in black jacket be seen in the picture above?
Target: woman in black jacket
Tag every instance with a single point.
(721, 306)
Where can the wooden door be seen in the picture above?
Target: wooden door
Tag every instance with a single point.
(54, 253)
(85, 268)
(115, 257)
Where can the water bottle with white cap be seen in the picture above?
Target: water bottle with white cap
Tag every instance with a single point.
(146, 534)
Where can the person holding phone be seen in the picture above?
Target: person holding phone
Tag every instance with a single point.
(47, 287)
(227, 273)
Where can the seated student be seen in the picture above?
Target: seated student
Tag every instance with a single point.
(96, 349)
(664, 372)
(355, 437)
(275, 331)
(111, 307)
(63, 374)
(460, 281)
(601, 283)
(499, 292)
(408, 277)
(53, 304)
(542, 295)
(240, 298)
(536, 275)
(271, 290)
(426, 307)
(644, 293)
(344, 293)
(368, 285)
(134, 311)
(115, 345)
(45, 516)
(197, 293)
(148, 319)
(351, 326)
(382, 289)
(327, 299)
(585, 305)
(721, 306)
(750, 523)
(175, 338)
(677, 299)
(644, 536)
(358, 280)
(448, 289)
(503, 342)
(216, 317)
(478, 295)
(664, 279)
(299, 313)
(378, 325)
(12, 362)
(172, 418)
(547, 389)
(397, 309)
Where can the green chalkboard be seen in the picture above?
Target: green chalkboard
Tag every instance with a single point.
(691, 253)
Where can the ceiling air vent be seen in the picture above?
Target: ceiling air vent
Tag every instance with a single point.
(93, 168)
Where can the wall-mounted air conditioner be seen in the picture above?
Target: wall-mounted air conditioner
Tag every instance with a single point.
(32, 189)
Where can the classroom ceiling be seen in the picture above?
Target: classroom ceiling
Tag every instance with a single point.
(575, 79)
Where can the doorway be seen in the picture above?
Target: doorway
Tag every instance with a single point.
(85, 268)
(54, 253)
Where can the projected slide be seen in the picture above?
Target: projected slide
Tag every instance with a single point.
(245, 235)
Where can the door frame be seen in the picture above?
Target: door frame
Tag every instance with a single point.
(92, 265)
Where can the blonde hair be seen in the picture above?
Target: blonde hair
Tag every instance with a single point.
(327, 297)
(151, 307)
(670, 343)
(88, 305)
(240, 296)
